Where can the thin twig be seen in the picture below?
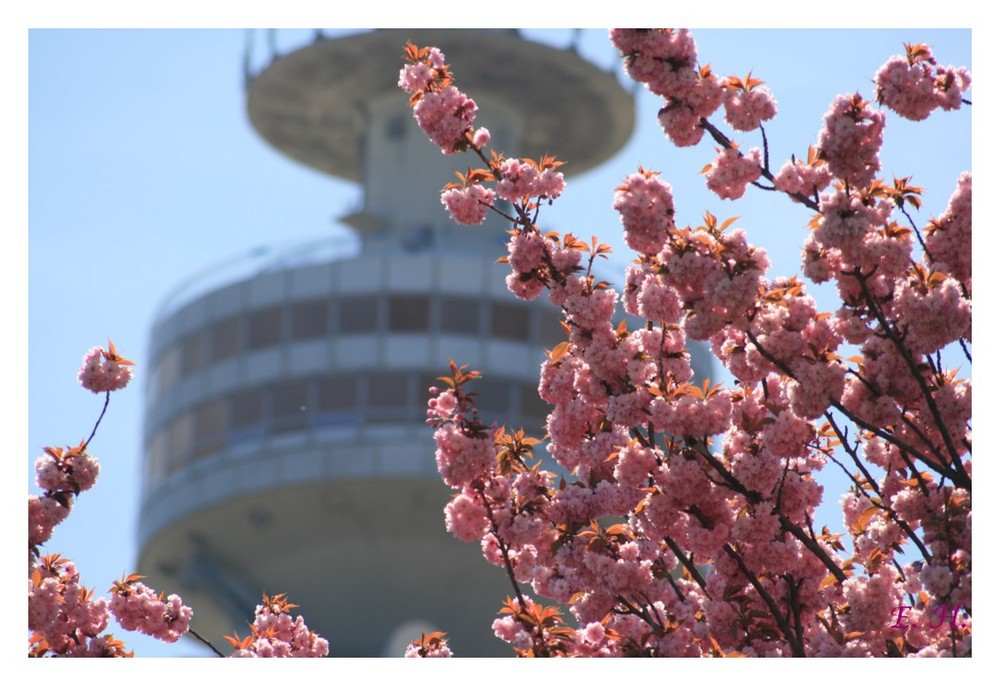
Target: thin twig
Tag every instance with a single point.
(905, 449)
(107, 399)
(767, 154)
(897, 341)
(886, 508)
(503, 548)
(205, 641)
(968, 355)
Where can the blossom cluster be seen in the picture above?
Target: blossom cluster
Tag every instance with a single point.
(62, 474)
(666, 61)
(704, 275)
(803, 177)
(731, 172)
(468, 205)
(104, 370)
(65, 619)
(442, 111)
(679, 518)
(64, 616)
(850, 139)
(522, 180)
(748, 102)
(914, 85)
(645, 204)
(446, 115)
(949, 236)
(275, 634)
(137, 607)
(434, 644)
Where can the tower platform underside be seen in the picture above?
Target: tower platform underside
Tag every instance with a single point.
(313, 104)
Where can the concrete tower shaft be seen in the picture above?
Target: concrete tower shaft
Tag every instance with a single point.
(285, 444)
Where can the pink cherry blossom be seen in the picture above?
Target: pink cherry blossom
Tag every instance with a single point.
(746, 107)
(949, 236)
(731, 171)
(433, 645)
(468, 205)
(914, 85)
(480, 137)
(851, 138)
(70, 470)
(933, 312)
(666, 62)
(44, 514)
(522, 180)
(136, 607)
(104, 370)
(465, 516)
(800, 177)
(275, 634)
(446, 117)
(646, 206)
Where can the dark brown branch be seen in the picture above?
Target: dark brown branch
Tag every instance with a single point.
(965, 350)
(793, 642)
(878, 431)
(916, 231)
(911, 364)
(724, 141)
(688, 563)
(814, 547)
(753, 497)
(794, 606)
(645, 611)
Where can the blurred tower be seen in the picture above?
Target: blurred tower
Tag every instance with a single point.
(285, 447)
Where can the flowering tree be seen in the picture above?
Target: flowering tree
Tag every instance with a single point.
(65, 619)
(685, 526)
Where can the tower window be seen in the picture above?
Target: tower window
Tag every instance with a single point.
(181, 432)
(209, 426)
(291, 404)
(358, 314)
(337, 393)
(388, 390)
(224, 339)
(193, 352)
(510, 321)
(265, 327)
(459, 315)
(408, 313)
(309, 319)
(246, 407)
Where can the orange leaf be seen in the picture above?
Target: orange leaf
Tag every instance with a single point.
(726, 224)
(828, 580)
(558, 352)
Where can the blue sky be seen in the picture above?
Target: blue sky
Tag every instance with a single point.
(143, 169)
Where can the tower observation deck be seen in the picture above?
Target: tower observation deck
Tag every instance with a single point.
(285, 445)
